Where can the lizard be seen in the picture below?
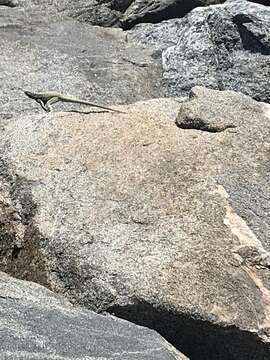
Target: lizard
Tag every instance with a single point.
(46, 99)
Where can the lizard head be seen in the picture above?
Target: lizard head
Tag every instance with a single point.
(30, 95)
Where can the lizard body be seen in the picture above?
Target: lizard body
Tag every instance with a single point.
(46, 99)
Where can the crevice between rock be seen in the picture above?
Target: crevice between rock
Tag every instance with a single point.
(196, 338)
(7, 3)
(158, 11)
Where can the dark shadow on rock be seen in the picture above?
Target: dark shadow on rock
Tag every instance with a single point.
(8, 3)
(263, 2)
(200, 124)
(159, 12)
(196, 338)
(250, 41)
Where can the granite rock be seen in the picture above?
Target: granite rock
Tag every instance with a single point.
(39, 53)
(224, 47)
(130, 214)
(37, 324)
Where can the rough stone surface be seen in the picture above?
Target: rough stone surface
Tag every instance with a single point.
(127, 213)
(153, 11)
(106, 13)
(93, 63)
(35, 324)
(220, 114)
(223, 46)
(95, 12)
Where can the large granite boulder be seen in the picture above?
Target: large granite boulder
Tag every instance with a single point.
(36, 324)
(39, 53)
(162, 225)
(224, 47)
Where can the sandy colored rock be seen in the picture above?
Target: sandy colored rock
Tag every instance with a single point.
(129, 214)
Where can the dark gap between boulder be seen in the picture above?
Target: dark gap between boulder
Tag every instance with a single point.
(196, 338)
(175, 10)
(7, 3)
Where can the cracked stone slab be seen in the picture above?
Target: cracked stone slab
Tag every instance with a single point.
(130, 214)
(37, 324)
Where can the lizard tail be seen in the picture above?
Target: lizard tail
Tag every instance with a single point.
(107, 108)
(91, 104)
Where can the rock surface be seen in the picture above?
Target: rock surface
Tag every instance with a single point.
(220, 114)
(223, 46)
(110, 12)
(166, 227)
(93, 63)
(126, 13)
(94, 12)
(35, 324)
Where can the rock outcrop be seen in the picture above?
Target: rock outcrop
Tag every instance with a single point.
(125, 13)
(158, 215)
(221, 46)
(163, 226)
(36, 324)
(225, 47)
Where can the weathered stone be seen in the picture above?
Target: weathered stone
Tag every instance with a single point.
(110, 12)
(94, 12)
(154, 11)
(35, 324)
(127, 213)
(220, 114)
(224, 47)
(89, 62)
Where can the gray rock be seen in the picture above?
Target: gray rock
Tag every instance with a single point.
(168, 228)
(154, 11)
(110, 12)
(224, 47)
(93, 63)
(35, 324)
(94, 12)
(220, 114)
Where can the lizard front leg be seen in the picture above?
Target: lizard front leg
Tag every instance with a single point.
(41, 103)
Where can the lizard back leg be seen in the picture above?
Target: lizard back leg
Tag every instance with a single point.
(48, 104)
